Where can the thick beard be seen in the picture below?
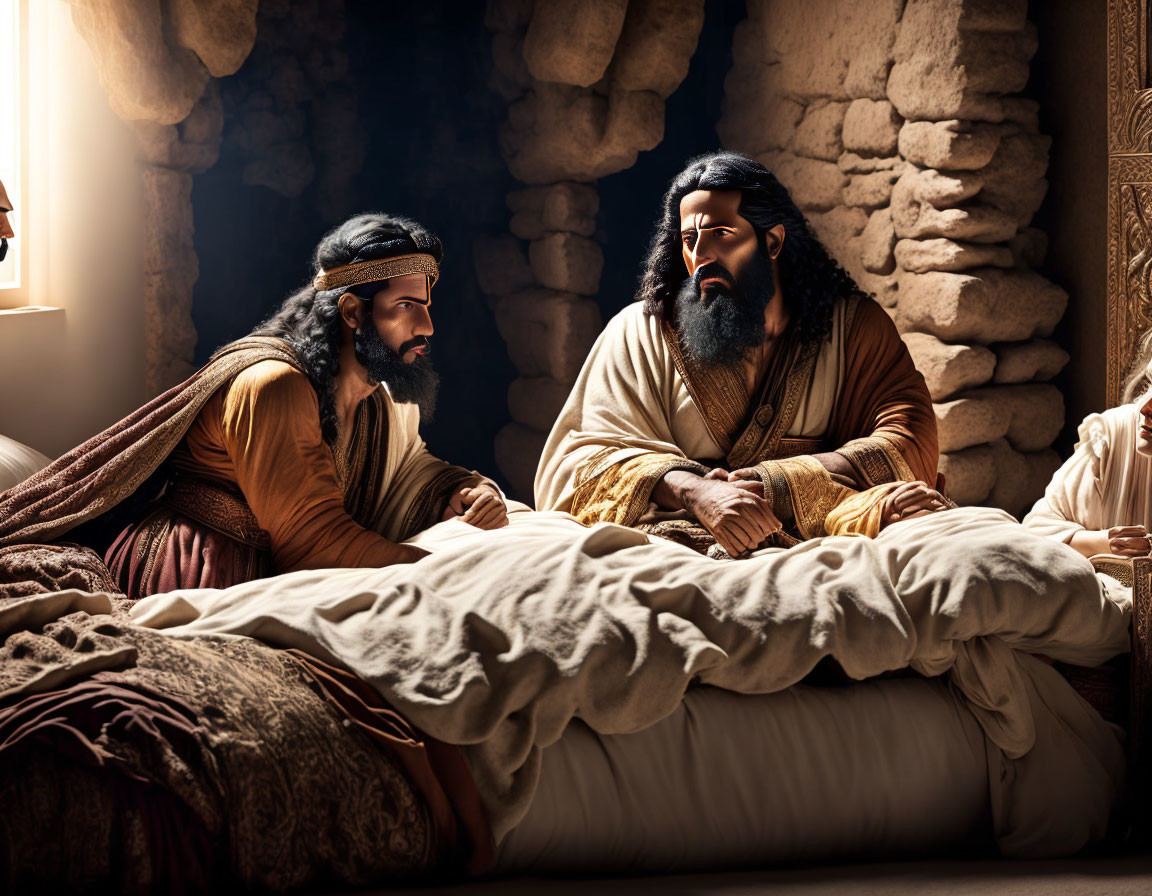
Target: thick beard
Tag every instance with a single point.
(722, 330)
(414, 383)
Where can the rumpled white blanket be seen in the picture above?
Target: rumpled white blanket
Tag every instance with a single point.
(498, 639)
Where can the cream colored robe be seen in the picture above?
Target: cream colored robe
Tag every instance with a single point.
(1104, 483)
(633, 416)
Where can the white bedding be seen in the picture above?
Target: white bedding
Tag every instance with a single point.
(499, 639)
(875, 769)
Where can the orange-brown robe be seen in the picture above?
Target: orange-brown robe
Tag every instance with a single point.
(252, 488)
(642, 407)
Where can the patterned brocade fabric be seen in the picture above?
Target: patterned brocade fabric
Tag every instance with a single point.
(134, 762)
(619, 492)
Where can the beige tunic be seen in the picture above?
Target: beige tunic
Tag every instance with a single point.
(1104, 483)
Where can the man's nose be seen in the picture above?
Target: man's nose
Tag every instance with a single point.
(1146, 408)
(703, 252)
(424, 324)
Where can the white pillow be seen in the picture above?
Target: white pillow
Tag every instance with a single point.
(18, 462)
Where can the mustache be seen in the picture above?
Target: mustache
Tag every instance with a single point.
(416, 342)
(713, 270)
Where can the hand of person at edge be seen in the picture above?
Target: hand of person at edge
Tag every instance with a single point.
(478, 505)
(739, 519)
(1129, 541)
(908, 500)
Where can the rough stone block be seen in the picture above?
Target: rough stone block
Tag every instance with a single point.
(567, 262)
(537, 402)
(818, 134)
(573, 42)
(851, 163)
(1024, 362)
(564, 207)
(656, 44)
(548, 333)
(971, 420)
(145, 77)
(501, 266)
(949, 369)
(221, 32)
(756, 118)
(1022, 112)
(969, 474)
(560, 133)
(1037, 412)
(948, 145)
(871, 128)
(916, 215)
(1014, 178)
(518, 449)
(945, 68)
(921, 256)
(1021, 477)
(814, 185)
(942, 190)
(870, 190)
(876, 243)
(838, 230)
(986, 305)
(884, 288)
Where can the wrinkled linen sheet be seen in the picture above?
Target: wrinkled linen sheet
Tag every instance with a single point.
(499, 639)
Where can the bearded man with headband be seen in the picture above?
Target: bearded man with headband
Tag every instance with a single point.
(753, 396)
(296, 447)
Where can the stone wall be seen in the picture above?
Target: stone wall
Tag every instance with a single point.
(899, 129)
(585, 81)
(157, 63)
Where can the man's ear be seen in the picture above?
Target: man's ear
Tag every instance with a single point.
(774, 240)
(351, 310)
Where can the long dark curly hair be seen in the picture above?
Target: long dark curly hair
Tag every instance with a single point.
(309, 319)
(811, 280)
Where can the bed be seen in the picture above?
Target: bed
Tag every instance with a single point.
(234, 787)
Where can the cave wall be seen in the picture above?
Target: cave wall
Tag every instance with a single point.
(586, 83)
(902, 132)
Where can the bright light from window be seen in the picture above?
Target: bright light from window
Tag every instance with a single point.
(11, 101)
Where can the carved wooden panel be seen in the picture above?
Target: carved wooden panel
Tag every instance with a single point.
(1129, 185)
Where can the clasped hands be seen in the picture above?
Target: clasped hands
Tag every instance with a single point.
(732, 506)
(478, 505)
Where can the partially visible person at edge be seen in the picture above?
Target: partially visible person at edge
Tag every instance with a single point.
(296, 447)
(1100, 500)
(753, 395)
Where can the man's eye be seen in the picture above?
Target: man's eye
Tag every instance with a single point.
(687, 239)
(404, 304)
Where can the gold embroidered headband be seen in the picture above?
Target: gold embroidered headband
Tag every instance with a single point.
(378, 269)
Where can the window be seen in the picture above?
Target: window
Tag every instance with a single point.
(12, 135)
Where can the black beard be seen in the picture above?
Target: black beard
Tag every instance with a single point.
(414, 383)
(721, 326)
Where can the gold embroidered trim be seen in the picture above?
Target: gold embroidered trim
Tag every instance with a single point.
(217, 508)
(876, 461)
(759, 443)
(719, 393)
(800, 488)
(612, 491)
(378, 269)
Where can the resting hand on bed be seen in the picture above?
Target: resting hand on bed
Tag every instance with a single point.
(478, 505)
(1124, 541)
(734, 512)
(908, 500)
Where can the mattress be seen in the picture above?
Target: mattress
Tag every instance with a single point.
(876, 768)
